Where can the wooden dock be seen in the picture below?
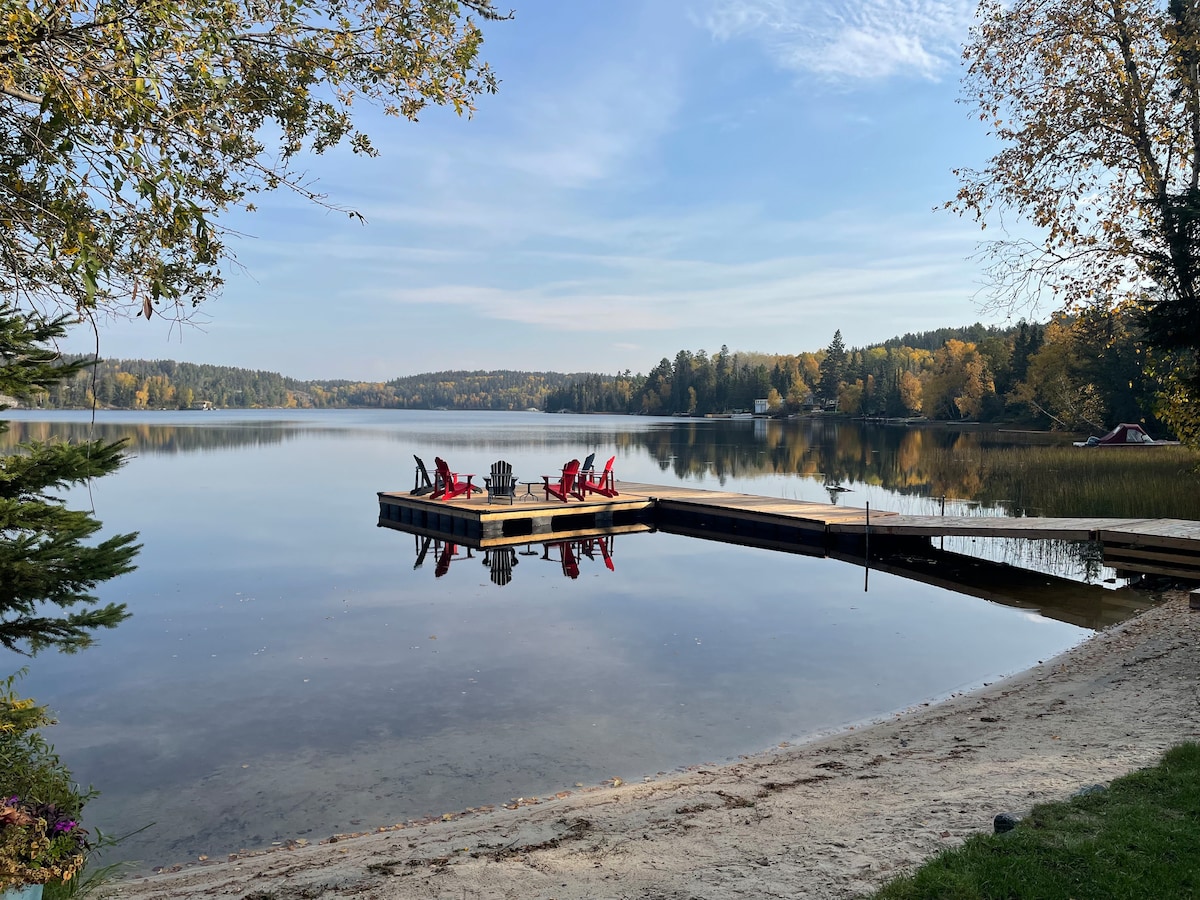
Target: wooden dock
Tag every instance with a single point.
(1157, 546)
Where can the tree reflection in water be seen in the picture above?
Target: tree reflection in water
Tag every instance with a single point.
(1012, 473)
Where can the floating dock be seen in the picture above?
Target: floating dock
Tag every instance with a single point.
(500, 524)
(1153, 546)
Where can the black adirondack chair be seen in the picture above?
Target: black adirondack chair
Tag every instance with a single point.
(501, 483)
(421, 483)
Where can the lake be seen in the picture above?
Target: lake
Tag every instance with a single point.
(292, 670)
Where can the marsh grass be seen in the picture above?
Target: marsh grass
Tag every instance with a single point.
(1139, 839)
(1158, 482)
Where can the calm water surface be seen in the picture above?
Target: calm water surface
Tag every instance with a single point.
(289, 671)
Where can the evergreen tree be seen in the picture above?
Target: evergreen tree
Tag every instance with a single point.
(1026, 342)
(45, 558)
(833, 368)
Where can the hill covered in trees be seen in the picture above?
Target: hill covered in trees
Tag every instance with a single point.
(165, 384)
(1080, 372)
(951, 373)
(1085, 371)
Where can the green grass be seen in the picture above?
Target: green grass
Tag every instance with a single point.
(1139, 839)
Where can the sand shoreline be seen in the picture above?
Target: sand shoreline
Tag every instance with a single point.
(830, 818)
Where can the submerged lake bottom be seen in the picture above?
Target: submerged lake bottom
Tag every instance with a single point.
(292, 671)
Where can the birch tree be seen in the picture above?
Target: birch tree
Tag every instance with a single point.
(1093, 111)
(1096, 106)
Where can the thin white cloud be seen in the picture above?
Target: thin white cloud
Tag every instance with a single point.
(849, 40)
(599, 118)
(540, 264)
(580, 134)
(554, 306)
(631, 295)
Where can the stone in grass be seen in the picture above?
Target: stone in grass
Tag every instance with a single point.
(1089, 790)
(1005, 822)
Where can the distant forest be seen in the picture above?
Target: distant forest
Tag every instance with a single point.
(165, 384)
(1079, 372)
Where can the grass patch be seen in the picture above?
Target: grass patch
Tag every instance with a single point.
(1137, 840)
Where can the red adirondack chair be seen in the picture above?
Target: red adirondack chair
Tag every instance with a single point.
(603, 483)
(449, 485)
(565, 486)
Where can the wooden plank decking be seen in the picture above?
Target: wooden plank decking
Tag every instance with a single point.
(751, 507)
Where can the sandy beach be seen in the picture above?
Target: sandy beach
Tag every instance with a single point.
(829, 819)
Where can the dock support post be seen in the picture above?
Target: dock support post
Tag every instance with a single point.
(942, 538)
(867, 549)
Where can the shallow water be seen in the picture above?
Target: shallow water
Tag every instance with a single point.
(288, 672)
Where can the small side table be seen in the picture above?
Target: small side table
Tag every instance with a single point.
(529, 494)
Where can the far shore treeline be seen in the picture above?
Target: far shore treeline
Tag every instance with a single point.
(1082, 372)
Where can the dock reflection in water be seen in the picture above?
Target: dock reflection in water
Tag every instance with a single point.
(1021, 580)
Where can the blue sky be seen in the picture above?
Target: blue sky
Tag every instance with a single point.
(653, 175)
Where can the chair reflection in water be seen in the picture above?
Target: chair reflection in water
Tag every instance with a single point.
(566, 556)
(500, 560)
(447, 552)
(423, 544)
(570, 553)
(603, 545)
